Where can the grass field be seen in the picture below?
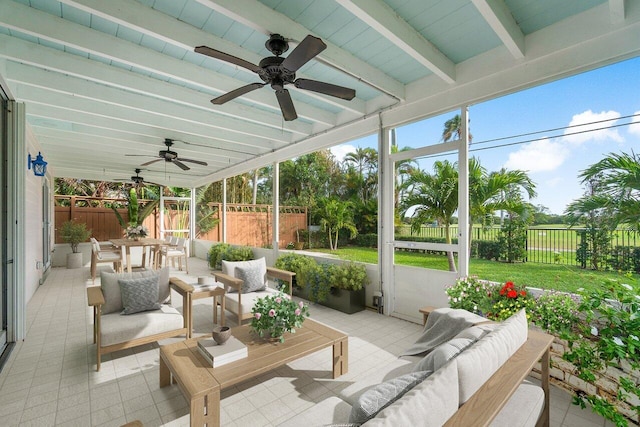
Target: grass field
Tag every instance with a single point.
(546, 276)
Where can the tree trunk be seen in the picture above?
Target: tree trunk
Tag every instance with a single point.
(254, 198)
(452, 262)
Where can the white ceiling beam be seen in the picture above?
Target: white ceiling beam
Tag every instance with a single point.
(259, 16)
(59, 108)
(574, 45)
(141, 143)
(499, 17)
(48, 27)
(379, 16)
(163, 27)
(616, 11)
(105, 145)
(51, 59)
(227, 128)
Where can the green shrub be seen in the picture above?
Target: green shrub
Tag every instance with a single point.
(369, 240)
(485, 249)
(224, 251)
(316, 278)
(295, 263)
(350, 276)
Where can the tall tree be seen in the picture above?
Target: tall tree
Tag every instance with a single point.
(493, 191)
(453, 129)
(434, 197)
(336, 215)
(618, 177)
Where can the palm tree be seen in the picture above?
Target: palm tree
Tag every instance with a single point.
(336, 215)
(435, 196)
(494, 191)
(618, 177)
(453, 128)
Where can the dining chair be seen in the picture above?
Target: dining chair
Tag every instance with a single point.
(102, 254)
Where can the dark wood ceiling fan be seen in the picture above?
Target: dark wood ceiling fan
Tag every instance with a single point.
(170, 156)
(278, 72)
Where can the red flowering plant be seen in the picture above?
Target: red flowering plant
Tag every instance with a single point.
(508, 299)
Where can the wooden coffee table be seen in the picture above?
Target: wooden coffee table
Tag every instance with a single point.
(201, 384)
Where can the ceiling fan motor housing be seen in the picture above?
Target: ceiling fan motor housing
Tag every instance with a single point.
(276, 44)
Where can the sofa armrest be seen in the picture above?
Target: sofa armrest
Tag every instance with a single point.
(230, 281)
(180, 286)
(486, 403)
(287, 276)
(95, 297)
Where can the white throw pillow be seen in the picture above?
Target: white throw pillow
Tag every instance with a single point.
(229, 268)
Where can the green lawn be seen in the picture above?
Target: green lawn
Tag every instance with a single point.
(546, 276)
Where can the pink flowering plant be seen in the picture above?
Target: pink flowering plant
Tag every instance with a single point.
(276, 314)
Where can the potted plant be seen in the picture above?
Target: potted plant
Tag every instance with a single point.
(74, 233)
(274, 315)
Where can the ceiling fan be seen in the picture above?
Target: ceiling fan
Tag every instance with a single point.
(137, 180)
(170, 156)
(278, 72)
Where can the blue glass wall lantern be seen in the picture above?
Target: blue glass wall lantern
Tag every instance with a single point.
(38, 164)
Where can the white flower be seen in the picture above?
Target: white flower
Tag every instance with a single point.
(594, 331)
(618, 341)
(629, 287)
(633, 337)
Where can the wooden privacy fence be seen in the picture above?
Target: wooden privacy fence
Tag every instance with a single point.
(246, 224)
(99, 217)
(252, 225)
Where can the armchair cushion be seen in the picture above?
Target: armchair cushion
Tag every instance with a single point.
(252, 278)
(116, 329)
(229, 268)
(248, 300)
(139, 294)
(111, 287)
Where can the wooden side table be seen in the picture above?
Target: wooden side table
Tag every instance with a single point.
(426, 311)
(215, 291)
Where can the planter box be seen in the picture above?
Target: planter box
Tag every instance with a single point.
(346, 301)
(338, 299)
(74, 260)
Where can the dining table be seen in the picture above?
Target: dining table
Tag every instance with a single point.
(125, 246)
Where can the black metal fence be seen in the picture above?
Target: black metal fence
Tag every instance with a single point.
(544, 245)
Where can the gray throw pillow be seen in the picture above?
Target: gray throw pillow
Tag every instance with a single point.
(111, 287)
(384, 394)
(139, 294)
(252, 278)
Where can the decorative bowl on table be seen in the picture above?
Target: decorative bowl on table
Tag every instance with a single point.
(221, 334)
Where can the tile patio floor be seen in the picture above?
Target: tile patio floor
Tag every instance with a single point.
(50, 377)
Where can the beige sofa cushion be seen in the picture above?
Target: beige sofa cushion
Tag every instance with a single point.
(523, 408)
(477, 363)
(400, 366)
(431, 403)
(116, 328)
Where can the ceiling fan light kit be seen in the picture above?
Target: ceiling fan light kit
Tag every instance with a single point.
(278, 72)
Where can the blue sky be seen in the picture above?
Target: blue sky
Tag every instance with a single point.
(553, 159)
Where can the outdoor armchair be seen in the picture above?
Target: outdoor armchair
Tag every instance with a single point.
(246, 281)
(104, 252)
(132, 309)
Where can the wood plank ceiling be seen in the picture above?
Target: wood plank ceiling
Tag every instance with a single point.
(105, 80)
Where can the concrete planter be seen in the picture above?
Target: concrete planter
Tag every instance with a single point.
(74, 260)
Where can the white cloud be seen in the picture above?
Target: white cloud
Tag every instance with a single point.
(542, 155)
(634, 128)
(584, 123)
(339, 151)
